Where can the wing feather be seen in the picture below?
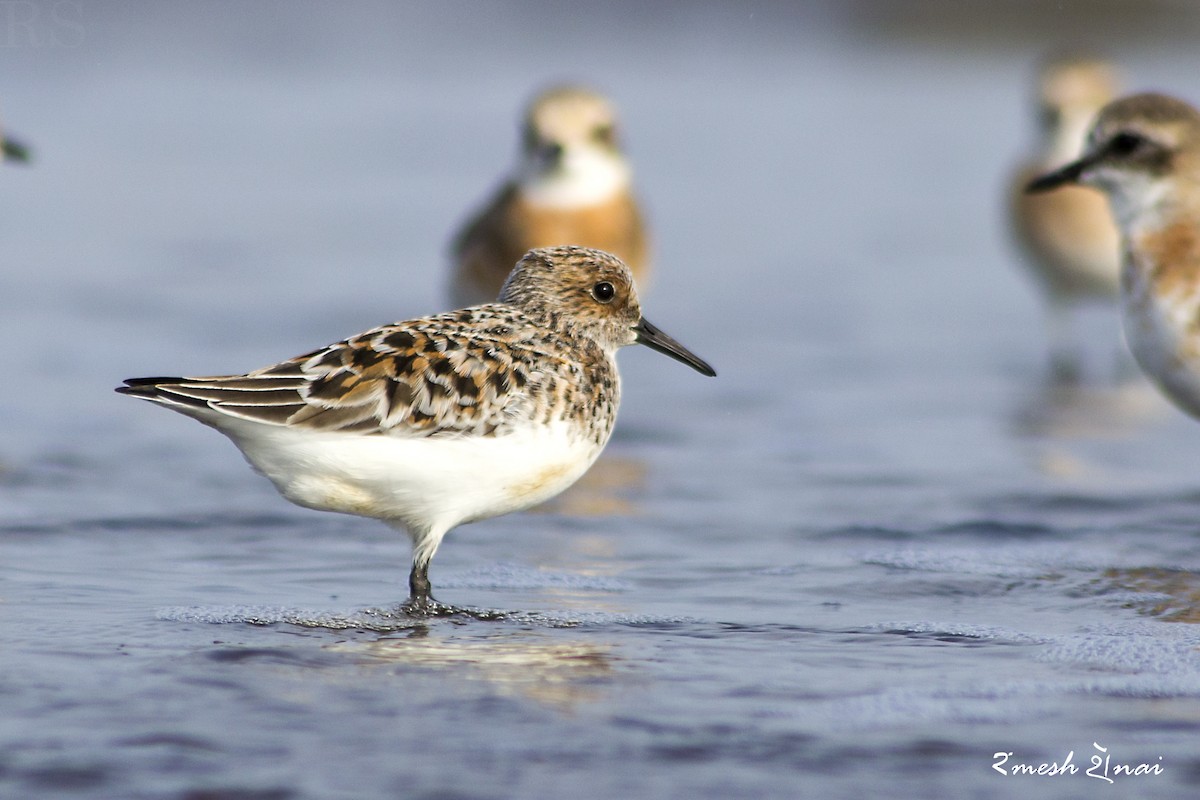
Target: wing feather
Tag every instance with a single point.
(471, 372)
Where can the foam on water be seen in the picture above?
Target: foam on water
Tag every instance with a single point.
(517, 576)
(988, 633)
(394, 619)
(871, 553)
(364, 619)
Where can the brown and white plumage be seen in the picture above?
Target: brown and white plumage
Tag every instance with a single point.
(474, 372)
(1069, 240)
(1143, 151)
(572, 186)
(442, 420)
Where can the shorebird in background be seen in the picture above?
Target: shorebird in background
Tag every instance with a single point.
(440, 421)
(12, 150)
(1069, 239)
(572, 186)
(1144, 153)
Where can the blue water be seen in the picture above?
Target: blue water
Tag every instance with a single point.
(877, 550)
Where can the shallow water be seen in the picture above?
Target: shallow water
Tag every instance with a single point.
(877, 550)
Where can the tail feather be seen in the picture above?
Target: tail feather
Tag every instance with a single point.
(272, 399)
(158, 389)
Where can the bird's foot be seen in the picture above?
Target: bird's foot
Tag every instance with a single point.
(427, 607)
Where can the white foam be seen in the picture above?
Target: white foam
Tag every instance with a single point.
(394, 619)
(366, 619)
(1162, 648)
(1001, 561)
(982, 632)
(515, 576)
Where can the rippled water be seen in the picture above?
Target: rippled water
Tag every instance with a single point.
(876, 551)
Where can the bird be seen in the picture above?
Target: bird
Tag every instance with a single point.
(13, 150)
(1068, 239)
(435, 422)
(1143, 152)
(572, 185)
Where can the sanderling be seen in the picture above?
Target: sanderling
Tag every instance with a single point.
(1144, 152)
(1069, 239)
(572, 186)
(439, 421)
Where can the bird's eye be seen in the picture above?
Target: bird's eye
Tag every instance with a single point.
(1124, 143)
(603, 134)
(604, 292)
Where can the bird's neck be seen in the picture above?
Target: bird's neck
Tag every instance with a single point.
(1143, 204)
(579, 180)
(1068, 138)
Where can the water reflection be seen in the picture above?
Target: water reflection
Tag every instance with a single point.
(1059, 416)
(607, 489)
(1065, 409)
(1172, 595)
(561, 674)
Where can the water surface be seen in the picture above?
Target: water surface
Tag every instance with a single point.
(877, 550)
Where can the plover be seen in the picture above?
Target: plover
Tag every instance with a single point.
(1143, 151)
(1069, 239)
(572, 185)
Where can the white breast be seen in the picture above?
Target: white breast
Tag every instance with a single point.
(421, 483)
(586, 177)
(1160, 334)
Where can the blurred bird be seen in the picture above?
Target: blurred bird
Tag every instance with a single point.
(572, 185)
(1069, 239)
(1144, 152)
(13, 150)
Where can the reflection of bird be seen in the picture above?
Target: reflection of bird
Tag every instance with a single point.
(434, 422)
(1069, 239)
(1144, 152)
(558, 673)
(572, 186)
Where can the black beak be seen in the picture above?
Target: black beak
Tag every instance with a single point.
(655, 339)
(1061, 177)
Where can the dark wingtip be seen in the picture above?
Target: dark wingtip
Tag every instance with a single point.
(153, 381)
(145, 387)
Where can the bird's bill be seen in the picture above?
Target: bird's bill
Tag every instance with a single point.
(14, 151)
(1071, 173)
(655, 339)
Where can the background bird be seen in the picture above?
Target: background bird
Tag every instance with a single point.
(1068, 239)
(1144, 153)
(572, 185)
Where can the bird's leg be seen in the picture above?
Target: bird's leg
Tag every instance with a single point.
(419, 599)
(1066, 361)
(418, 583)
